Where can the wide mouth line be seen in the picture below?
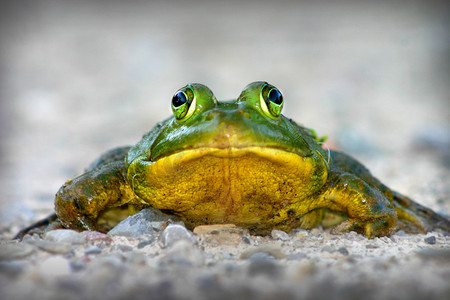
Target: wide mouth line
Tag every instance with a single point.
(231, 150)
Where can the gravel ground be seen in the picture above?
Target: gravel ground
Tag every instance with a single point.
(78, 79)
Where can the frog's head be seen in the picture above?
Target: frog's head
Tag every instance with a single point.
(253, 120)
(230, 152)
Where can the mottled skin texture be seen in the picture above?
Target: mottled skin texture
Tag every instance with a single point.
(238, 162)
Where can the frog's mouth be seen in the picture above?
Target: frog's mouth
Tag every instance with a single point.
(229, 138)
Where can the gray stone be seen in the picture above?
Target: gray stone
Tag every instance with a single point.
(246, 240)
(65, 236)
(146, 222)
(343, 251)
(430, 240)
(280, 235)
(174, 233)
(145, 243)
(93, 250)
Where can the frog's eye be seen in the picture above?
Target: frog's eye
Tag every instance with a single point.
(271, 101)
(183, 104)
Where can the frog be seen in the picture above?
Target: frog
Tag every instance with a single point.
(238, 162)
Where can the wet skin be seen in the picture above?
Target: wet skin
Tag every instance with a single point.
(238, 162)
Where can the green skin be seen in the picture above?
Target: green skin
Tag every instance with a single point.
(341, 192)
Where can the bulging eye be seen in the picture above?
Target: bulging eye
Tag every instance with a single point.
(271, 101)
(179, 99)
(275, 96)
(183, 104)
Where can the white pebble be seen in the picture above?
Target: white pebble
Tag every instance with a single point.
(54, 266)
(65, 236)
(174, 233)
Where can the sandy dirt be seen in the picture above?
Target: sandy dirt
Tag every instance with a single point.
(78, 79)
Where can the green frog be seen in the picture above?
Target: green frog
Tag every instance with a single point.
(240, 162)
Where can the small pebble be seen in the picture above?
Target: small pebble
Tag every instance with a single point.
(271, 249)
(261, 255)
(53, 247)
(144, 243)
(317, 231)
(31, 238)
(96, 237)
(300, 232)
(222, 233)
(65, 236)
(246, 240)
(15, 250)
(343, 251)
(280, 235)
(328, 249)
(146, 222)
(174, 233)
(124, 248)
(371, 246)
(93, 250)
(430, 240)
(77, 265)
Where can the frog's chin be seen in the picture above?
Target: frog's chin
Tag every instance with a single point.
(244, 186)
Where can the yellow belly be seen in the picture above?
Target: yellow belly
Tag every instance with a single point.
(245, 186)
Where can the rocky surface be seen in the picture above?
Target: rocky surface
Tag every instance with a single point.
(78, 79)
(223, 262)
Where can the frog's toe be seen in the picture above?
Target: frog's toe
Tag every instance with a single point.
(382, 226)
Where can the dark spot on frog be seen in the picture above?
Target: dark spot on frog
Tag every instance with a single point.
(291, 213)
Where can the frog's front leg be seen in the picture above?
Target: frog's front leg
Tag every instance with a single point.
(82, 200)
(369, 211)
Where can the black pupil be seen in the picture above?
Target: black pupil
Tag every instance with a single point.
(275, 97)
(178, 99)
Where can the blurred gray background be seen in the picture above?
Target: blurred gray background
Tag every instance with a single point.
(78, 78)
